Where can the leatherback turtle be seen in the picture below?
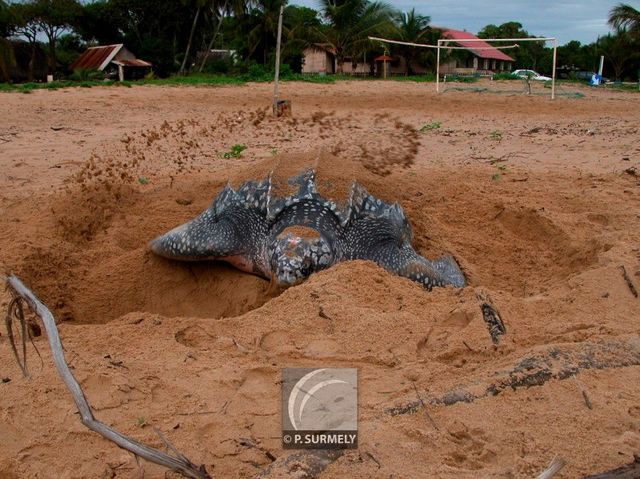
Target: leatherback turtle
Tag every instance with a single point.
(285, 239)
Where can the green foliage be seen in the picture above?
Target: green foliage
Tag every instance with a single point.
(530, 55)
(262, 25)
(434, 125)
(53, 18)
(100, 22)
(195, 79)
(625, 17)
(350, 23)
(414, 28)
(311, 78)
(68, 48)
(218, 66)
(7, 59)
(235, 151)
(505, 76)
(6, 22)
(462, 78)
(159, 32)
(257, 72)
(620, 51)
(496, 135)
(429, 77)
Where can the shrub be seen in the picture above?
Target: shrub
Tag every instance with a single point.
(504, 76)
(83, 75)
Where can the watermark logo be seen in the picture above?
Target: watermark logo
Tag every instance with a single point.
(320, 408)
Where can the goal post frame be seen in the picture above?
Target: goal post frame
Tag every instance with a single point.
(531, 39)
(451, 40)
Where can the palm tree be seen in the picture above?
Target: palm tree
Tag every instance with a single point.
(624, 16)
(351, 22)
(198, 4)
(219, 9)
(7, 58)
(263, 24)
(619, 51)
(24, 18)
(412, 28)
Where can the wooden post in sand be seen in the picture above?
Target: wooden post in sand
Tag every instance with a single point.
(277, 73)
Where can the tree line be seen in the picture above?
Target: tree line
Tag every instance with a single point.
(172, 34)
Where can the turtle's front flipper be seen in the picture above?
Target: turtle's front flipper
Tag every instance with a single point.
(229, 230)
(204, 237)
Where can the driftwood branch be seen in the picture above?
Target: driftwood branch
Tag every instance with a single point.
(179, 463)
(535, 369)
(630, 471)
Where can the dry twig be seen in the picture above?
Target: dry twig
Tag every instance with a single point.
(179, 463)
(627, 278)
(15, 311)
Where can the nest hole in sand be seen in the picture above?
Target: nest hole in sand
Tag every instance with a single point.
(96, 265)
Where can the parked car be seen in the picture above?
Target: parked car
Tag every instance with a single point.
(533, 75)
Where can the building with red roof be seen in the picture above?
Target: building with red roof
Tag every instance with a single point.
(112, 60)
(477, 57)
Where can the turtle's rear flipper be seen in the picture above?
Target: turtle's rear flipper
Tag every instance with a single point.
(440, 272)
(449, 270)
(404, 261)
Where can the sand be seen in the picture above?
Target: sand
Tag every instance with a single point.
(539, 201)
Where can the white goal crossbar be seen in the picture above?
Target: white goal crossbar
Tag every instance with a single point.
(424, 45)
(443, 43)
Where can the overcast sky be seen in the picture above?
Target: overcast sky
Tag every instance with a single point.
(582, 20)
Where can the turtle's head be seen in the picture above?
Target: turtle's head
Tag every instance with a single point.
(296, 253)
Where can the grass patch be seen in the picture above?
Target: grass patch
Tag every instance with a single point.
(253, 75)
(196, 79)
(434, 125)
(30, 86)
(429, 77)
(623, 86)
(505, 76)
(461, 78)
(496, 135)
(235, 151)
